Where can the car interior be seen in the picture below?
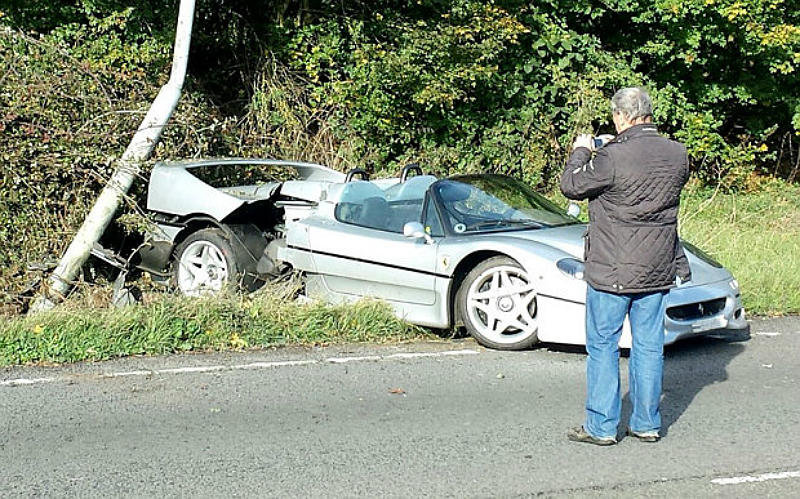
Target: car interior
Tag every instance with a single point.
(365, 204)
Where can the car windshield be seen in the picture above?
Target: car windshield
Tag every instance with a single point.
(481, 203)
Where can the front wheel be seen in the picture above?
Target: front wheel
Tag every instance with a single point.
(497, 302)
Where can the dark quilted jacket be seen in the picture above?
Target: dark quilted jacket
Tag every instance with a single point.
(633, 185)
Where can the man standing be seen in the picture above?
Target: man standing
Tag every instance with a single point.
(632, 256)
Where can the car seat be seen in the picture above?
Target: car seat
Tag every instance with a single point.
(411, 189)
(362, 203)
(375, 213)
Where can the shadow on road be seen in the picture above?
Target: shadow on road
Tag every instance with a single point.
(689, 366)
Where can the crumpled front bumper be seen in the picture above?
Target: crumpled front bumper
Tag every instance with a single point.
(698, 316)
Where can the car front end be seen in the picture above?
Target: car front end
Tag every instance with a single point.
(710, 309)
(710, 304)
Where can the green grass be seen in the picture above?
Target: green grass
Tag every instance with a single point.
(756, 236)
(173, 324)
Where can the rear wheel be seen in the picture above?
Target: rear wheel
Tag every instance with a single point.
(205, 263)
(497, 302)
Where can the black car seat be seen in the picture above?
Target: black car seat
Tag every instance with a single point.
(375, 213)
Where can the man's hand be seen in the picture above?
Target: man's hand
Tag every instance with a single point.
(583, 140)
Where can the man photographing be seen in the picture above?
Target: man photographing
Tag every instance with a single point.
(632, 257)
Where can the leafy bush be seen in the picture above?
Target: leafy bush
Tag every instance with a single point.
(466, 84)
(459, 85)
(504, 85)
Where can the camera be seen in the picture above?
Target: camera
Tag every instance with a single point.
(601, 140)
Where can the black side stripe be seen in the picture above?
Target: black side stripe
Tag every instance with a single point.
(398, 267)
(371, 262)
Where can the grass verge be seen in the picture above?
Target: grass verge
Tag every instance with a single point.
(174, 324)
(756, 236)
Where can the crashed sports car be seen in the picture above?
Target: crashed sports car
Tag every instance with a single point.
(482, 251)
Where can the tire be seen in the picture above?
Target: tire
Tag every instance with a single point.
(497, 303)
(206, 263)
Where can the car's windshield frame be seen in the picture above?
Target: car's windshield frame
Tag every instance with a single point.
(511, 225)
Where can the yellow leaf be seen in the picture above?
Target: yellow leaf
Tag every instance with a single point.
(238, 342)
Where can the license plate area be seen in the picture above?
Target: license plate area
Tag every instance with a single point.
(709, 324)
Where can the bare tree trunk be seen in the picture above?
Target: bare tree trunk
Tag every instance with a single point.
(139, 149)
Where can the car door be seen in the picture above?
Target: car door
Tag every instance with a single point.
(360, 250)
(363, 261)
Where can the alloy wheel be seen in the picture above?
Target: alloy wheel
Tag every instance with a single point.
(202, 268)
(501, 304)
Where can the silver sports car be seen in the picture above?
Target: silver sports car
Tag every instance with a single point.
(482, 251)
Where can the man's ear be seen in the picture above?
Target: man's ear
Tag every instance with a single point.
(619, 121)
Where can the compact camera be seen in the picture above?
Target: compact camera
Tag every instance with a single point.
(601, 140)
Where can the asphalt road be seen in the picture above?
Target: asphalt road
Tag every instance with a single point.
(326, 423)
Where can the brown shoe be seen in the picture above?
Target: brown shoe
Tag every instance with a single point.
(578, 434)
(645, 436)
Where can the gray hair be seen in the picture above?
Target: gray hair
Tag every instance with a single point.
(632, 103)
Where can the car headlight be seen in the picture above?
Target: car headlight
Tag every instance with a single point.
(571, 267)
(734, 284)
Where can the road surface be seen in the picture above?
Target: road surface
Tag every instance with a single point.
(449, 419)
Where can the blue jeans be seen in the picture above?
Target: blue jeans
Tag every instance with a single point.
(605, 314)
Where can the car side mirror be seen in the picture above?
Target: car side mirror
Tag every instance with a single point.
(573, 210)
(417, 231)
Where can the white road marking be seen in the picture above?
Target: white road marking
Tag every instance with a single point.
(127, 373)
(242, 367)
(758, 478)
(279, 363)
(209, 369)
(190, 370)
(24, 381)
(459, 352)
(417, 355)
(768, 334)
(342, 360)
(403, 355)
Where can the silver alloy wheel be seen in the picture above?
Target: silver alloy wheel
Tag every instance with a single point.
(202, 268)
(501, 304)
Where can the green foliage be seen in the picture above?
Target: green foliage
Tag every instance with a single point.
(467, 85)
(147, 19)
(458, 85)
(471, 88)
(504, 85)
(172, 324)
(730, 66)
(283, 120)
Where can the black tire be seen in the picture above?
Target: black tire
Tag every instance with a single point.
(224, 249)
(477, 322)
